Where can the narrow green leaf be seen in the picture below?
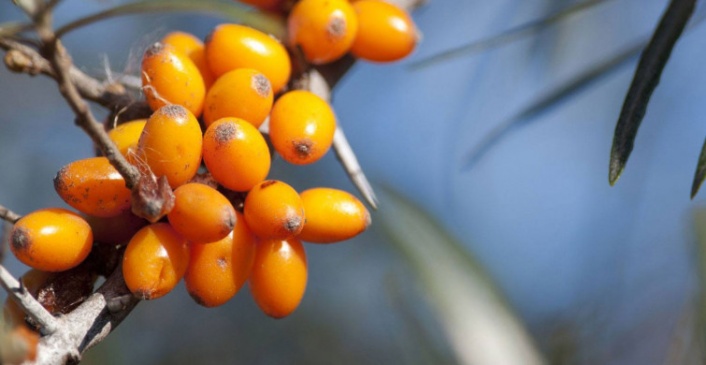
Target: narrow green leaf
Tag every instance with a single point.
(480, 326)
(230, 10)
(505, 37)
(647, 75)
(700, 172)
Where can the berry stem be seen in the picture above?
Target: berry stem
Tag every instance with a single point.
(8, 215)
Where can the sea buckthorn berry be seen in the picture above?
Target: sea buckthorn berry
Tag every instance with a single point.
(51, 239)
(155, 260)
(93, 186)
(278, 278)
(232, 46)
(19, 345)
(302, 127)
(274, 210)
(236, 154)
(386, 32)
(171, 144)
(218, 270)
(201, 213)
(171, 77)
(126, 135)
(323, 29)
(270, 5)
(191, 46)
(332, 215)
(115, 230)
(242, 93)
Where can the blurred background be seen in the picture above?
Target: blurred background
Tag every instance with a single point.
(498, 239)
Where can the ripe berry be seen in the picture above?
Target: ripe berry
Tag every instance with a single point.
(201, 214)
(302, 127)
(126, 135)
(191, 46)
(332, 215)
(236, 154)
(274, 210)
(386, 32)
(170, 77)
(323, 29)
(278, 278)
(93, 186)
(51, 239)
(115, 230)
(154, 261)
(217, 270)
(232, 46)
(242, 93)
(171, 144)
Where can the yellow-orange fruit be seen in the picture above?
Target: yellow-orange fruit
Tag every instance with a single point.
(51, 239)
(115, 230)
(155, 260)
(302, 127)
(323, 29)
(236, 154)
(332, 215)
(191, 46)
(171, 77)
(20, 345)
(386, 32)
(279, 275)
(171, 144)
(201, 213)
(93, 186)
(233, 46)
(243, 93)
(274, 210)
(126, 135)
(218, 270)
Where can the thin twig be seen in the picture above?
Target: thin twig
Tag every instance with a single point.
(48, 324)
(8, 215)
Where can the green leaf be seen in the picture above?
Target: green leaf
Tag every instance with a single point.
(480, 326)
(229, 10)
(700, 172)
(647, 75)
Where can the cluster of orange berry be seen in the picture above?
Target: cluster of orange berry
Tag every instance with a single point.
(226, 224)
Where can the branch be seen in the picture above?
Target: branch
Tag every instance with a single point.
(8, 215)
(47, 323)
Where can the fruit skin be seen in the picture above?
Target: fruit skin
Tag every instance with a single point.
(302, 126)
(233, 46)
(332, 215)
(51, 239)
(323, 29)
(93, 186)
(126, 135)
(386, 33)
(171, 144)
(155, 260)
(279, 275)
(217, 270)
(243, 93)
(171, 77)
(191, 46)
(115, 230)
(201, 213)
(274, 210)
(236, 154)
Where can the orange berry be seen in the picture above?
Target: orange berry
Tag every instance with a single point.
(93, 186)
(191, 46)
(126, 135)
(201, 213)
(115, 230)
(51, 239)
(242, 93)
(171, 144)
(278, 278)
(218, 270)
(332, 215)
(171, 77)
(155, 260)
(386, 32)
(271, 5)
(323, 29)
(232, 46)
(236, 154)
(20, 345)
(274, 210)
(302, 127)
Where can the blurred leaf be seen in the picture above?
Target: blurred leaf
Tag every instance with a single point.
(505, 37)
(12, 28)
(229, 10)
(481, 327)
(700, 172)
(647, 75)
